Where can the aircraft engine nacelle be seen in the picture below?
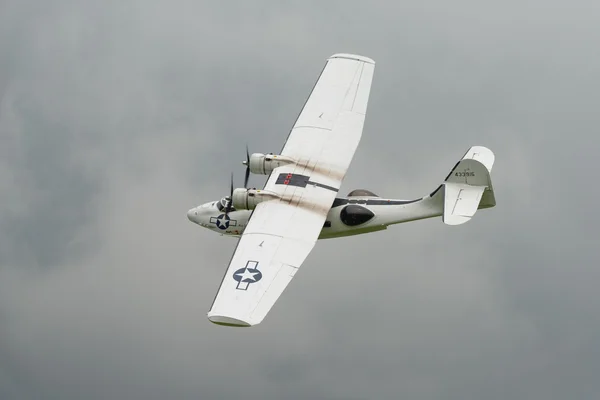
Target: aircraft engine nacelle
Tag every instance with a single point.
(264, 164)
(248, 199)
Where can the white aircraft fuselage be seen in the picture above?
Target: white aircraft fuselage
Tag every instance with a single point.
(352, 215)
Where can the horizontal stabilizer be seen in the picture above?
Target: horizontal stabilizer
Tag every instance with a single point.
(460, 202)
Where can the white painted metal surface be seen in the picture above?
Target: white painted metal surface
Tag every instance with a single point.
(386, 211)
(301, 205)
(282, 232)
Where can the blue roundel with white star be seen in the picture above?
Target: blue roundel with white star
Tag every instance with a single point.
(247, 275)
(223, 221)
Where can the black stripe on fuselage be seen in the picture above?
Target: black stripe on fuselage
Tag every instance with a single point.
(371, 202)
(436, 190)
(452, 170)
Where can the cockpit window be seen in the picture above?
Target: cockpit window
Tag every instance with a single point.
(221, 205)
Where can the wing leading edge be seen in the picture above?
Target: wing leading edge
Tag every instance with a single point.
(282, 232)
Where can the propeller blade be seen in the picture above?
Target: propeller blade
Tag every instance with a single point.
(247, 167)
(246, 177)
(230, 201)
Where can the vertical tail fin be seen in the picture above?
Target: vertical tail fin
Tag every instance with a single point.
(468, 187)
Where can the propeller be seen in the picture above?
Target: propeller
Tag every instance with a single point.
(247, 164)
(230, 200)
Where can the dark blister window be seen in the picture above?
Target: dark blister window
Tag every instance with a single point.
(355, 215)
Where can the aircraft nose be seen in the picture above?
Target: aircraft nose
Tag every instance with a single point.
(191, 214)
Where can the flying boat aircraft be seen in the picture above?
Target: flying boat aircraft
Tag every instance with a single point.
(279, 225)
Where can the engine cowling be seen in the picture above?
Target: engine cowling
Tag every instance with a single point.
(264, 164)
(248, 199)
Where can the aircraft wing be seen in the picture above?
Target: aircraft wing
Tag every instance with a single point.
(282, 232)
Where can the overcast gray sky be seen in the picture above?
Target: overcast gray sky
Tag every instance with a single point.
(116, 117)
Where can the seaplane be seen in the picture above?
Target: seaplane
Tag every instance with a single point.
(279, 225)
